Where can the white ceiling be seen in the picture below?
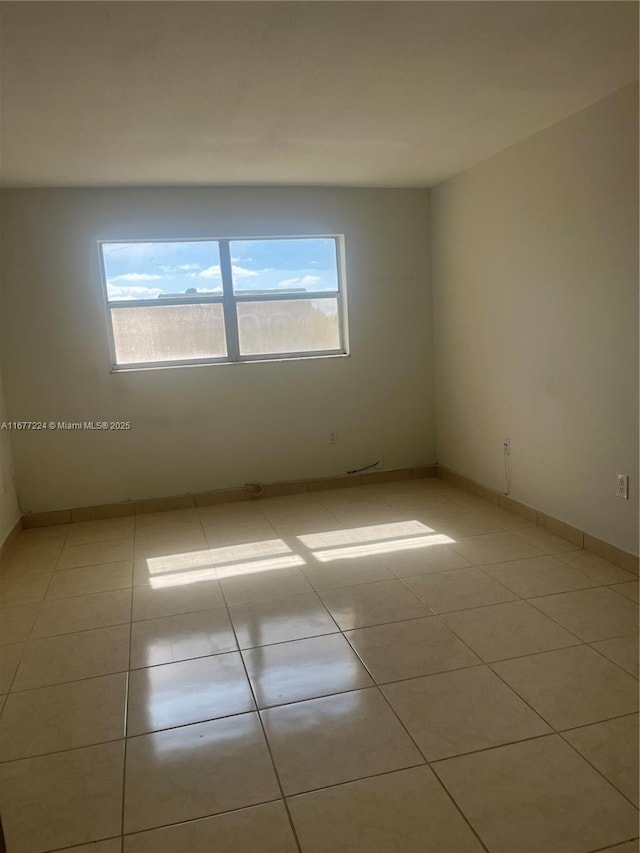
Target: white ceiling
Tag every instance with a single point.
(351, 93)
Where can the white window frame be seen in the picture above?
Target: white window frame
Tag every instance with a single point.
(229, 301)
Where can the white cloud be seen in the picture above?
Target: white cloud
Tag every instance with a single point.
(210, 272)
(238, 272)
(300, 281)
(181, 268)
(136, 276)
(118, 292)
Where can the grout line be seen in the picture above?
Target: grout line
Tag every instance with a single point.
(610, 660)
(421, 752)
(191, 820)
(593, 766)
(126, 706)
(88, 843)
(614, 847)
(554, 731)
(344, 633)
(26, 642)
(262, 727)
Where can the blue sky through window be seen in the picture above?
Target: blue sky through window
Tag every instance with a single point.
(151, 270)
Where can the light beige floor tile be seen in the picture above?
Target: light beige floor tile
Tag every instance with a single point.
(508, 630)
(464, 524)
(612, 747)
(88, 579)
(347, 572)
(190, 691)
(459, 589)
(174, 521)
(262, 828)
(29, 589)
(238, 512)
(629, 847)
(367, 539)
(299, 523)
(591, 614)
(164, 545)
(222, 533)
(54, 801)
(281, 619)
(169, 568)
(596, 567)
(544, 541)
(424, 561)
(263, 557)
(176, 638)
(94, 553)
(260, 585)
(402, 812)
(628, 589)
(494, 548)
(226, 535)
(33, 561)
(408, 649)
(571, 687)
(537, 796)
(185, 597)
(539, 576)
(508, 520)
(102, 530)
(623, 651)
(10, 656)
(336, 739)
(245, 538)
(196, 771)
(463, 711)
(113, 845)
(71, 657)
(66, 716)
(16, 623)
(304, 669)
(161, 546)
(83, 612)
(372, 604)
(41, 537)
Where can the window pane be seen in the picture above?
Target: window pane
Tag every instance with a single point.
(284, 265)
(157, 270)
(288, 326)
(168, 333)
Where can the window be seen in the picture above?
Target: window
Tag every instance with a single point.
(209, 301)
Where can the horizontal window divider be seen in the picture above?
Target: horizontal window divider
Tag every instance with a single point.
(170, 300)
(281, 297)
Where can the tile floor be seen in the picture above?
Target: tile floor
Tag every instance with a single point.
(393, 668)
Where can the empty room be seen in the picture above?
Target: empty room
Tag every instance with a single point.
(319, 436)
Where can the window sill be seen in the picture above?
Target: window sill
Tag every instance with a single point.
(200, 364)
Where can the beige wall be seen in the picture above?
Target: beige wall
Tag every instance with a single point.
(535, 276)
(200, 428)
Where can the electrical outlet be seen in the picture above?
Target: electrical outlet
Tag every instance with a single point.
(333, 436)
(506, 445)
(622, 488)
